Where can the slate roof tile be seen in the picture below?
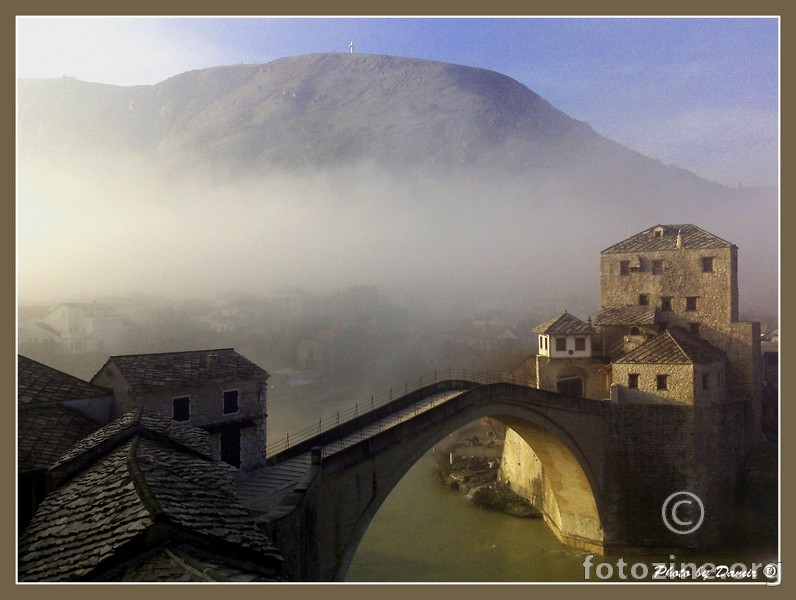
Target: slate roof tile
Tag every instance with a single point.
(150, 372)
(39, 383)
(133, 422)
(625, 315)
(101, 516)
(673, 346)
(46, 431)
(691, 237)
(564, 324)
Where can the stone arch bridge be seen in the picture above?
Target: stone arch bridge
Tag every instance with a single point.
(609, 464)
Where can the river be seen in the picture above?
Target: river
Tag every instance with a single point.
(425, 532)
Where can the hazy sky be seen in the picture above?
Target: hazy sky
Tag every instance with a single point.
(700, 93)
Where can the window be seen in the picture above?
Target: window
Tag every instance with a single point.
(662, 382)
(635, 331)
(707, 264)
(580, 344)
(230, 401)
(691, 303)
(705, 381)
(624, 267)
(643, 300)
(657, 267)
(694, 328)
(666, 303)
(561, 344)
(632, 380)
(181, 408)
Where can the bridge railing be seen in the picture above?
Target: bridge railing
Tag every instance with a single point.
(361, 410)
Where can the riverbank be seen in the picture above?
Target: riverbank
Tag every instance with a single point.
(469, 461)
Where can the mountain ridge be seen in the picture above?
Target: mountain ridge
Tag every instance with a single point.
(318, 110)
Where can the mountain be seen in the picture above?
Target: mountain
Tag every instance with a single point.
(409, 132)
(323, 110)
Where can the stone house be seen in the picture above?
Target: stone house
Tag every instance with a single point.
(54, 411)
(564, 360)
(676, 365)
(142, 500)
(218, 390)
(80, 327)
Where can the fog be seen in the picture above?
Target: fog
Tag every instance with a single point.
(478, 236)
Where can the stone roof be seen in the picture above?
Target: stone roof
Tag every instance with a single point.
(691, 237)
(185, 563)
(46, 431)
(139, 422)
(675, 346)
(564, 324)
(139, 495)
(625, 315)
(168, 370)
(39, 383)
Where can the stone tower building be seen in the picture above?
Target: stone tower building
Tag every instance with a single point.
(678, 277)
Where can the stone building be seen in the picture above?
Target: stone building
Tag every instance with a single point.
(218, 390)
(564, 361)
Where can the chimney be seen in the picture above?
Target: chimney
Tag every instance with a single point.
(210, 362)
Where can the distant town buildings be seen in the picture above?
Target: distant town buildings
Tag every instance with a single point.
(76, 327)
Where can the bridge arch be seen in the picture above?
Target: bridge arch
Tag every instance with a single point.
(572, 504)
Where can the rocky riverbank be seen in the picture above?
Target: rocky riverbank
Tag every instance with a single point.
(469, 463)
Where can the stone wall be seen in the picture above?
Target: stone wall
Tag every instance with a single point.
(206, 409)
(548, 371)
(682, 276)
(679, 379)
(657, 447)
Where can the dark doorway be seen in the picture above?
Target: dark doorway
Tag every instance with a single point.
(230, 446)
(571, 386)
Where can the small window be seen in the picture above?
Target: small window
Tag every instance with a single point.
(666, 303)
(694, 328)
(635, 331)
(632, 380)
(662, 382)
(561, 344)
(181, 408)
(658, 232)
(580, 344)
(691, 303)
(707, 264)
(657, 267)
(624, 267)
(705, 383)
(643, 300)
(230, 402)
